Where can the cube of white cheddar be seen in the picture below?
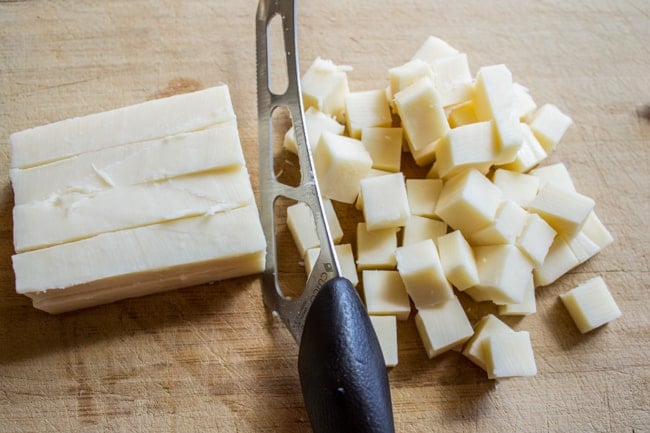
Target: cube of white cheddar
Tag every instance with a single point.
(340, 162)
(591, 304)
(419, 228)
(324, 87)
(457, 259)
(530, 152)
(385, 204)
(564, 210)
(401, 77)
(549, 125)
(345, 257)
(524, 103)
(555, 173)
(423, 116)
(487, 326)
(434, 48)
(510, 354)
(508, 223)
(518, 187)
(453, 79)
(535, 239)
(358, 204)
(443, 326)
(386, 329)
(385, 294)
(315, 123)
(423, 195)
(300, 221)
(376, 249)
(366, 109)
(558, 261)
(384, 146)
(468, 201)
(420, 268)
(462, 114)
(468, 146)
(528, 306)
(590, 240)
(503, 273)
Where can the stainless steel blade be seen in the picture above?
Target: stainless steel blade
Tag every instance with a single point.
(291, 311)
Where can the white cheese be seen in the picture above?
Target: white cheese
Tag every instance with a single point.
(554, 173)
(453, 79)
(385, 294)
(549, 125)
(301, 225)
(365, 110)
(423, 195)
(510, 354)
(434, 48)
(443, 326)
(386, 329)
(315, 123)
(419, 228)
(385, 204)
(558, 261)
(530, 152)
(535, 239)
(526, 307)
(384, 146)
(376, 249)
(346, 261)
(591, 304)
(403, 76)
(462, 114)
(487, 326)
(566, 211)
(508, 223)
(457, 259)
(149, 120)
(518, 187)
(467, 146)
(324, 87)
(336, 231)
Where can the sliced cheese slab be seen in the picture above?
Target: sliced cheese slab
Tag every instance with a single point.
(146, 121)
(131, 164)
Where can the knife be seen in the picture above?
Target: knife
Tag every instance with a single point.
(340, 364)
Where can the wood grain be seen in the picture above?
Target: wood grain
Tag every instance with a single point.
(210, 357)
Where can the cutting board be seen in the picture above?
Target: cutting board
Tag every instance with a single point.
(211, 358)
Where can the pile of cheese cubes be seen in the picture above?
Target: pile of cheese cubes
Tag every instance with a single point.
(487, 220)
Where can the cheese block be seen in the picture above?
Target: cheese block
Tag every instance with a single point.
(157, 118)
(386, 329)
(133, 201)
(487, 326)
(385, 294)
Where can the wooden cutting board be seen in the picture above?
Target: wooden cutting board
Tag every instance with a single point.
(210, 357)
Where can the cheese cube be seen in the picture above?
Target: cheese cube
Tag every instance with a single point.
(555, 173)
(336, 231)
(524, 103)
(214, 148)
(358, 204)
(366, 109)
(590, 240)
(340, 162)
(457, 259)
(155, 119)
(386, 329)
(462, 114)
(423, 195)
(468, 201)
(596, 231)
(508, 223)
(420, 268)
(324, 87)
(376, 249)
(535, 239)
(503, 273)
(385, 294)
(403, 76)
(384, 146)
(149, 259)
(422, 114)
(468, 146)
(345, 257)
(78, 215)
(315, 123)
(385, 204)
(487, 326)
(526, 307)
(510, 354)
(443, 326)
(530, 152)
(453, 79)
(591, 305)
(549, 125)
(564, 210)
(421, 228)
(558, 261)
(300, 221)
(434, 48)
(518, 187)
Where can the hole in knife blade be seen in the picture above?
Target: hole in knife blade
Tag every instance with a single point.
(290, 265)
(278, 72)
(286, 165)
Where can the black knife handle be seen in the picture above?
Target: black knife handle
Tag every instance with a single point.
(342, 371)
